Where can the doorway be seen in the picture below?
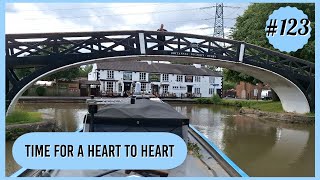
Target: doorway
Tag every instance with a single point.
(127, 86)
(155, 90)
(189, 90)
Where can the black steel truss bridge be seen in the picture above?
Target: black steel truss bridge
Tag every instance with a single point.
(49, 51)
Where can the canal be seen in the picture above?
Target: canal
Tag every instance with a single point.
(259, 147)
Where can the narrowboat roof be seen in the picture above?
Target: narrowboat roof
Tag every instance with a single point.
(142, 109)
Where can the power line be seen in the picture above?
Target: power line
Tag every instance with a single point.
(203, 28)
(109, 7)
(124, 14)
(171, 22)
(203, 9)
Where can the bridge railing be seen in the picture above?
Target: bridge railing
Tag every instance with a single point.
(181, 44)
(160, 43)
(155, 42)
(54, 50)
(278, 61)
(22, 45)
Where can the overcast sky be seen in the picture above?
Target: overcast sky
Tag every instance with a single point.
(195, 18)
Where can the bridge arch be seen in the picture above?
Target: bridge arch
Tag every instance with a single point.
(291, 97)
(291, 78)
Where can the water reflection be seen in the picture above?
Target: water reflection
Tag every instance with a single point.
(259, 148)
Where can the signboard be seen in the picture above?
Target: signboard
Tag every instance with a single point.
(127, 75)
(154, 77)
(189, 78)
(193, 54)
(214, 84)
(73, 86)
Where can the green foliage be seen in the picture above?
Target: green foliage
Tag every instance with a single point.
(204, 101)
(236, 77)
(228, 85)
(194, 149)
(216, 99)
(250, 28)
(40, 91)
(21, 73)
(20, 117)
(269, 106)
(67, 75)
(84, 71)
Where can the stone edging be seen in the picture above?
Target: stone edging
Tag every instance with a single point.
(13, 131)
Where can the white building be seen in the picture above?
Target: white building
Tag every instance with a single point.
(162, 79)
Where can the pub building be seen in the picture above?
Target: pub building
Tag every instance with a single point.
(161, 79)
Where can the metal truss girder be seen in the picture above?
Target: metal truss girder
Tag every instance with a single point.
(53, 50)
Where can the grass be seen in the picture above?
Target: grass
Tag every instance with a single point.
(21, 117)
(269, 106)
(310, 114)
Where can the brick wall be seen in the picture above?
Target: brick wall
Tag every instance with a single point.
(246, 90)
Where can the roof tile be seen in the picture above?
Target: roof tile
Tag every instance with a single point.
(157, 68)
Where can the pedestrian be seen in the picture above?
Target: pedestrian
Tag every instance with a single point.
(161, 37)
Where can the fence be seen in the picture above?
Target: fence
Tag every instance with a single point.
(53, 91)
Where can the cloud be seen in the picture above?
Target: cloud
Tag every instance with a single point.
(21, 21)
(195, 18)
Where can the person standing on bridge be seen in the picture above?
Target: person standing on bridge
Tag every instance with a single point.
(161, 38)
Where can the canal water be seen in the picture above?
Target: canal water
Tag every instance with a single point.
(259, 147)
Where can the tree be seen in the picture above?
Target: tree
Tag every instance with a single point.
(84, 71)
(250, 28)
(67, 75)
(228, 85)
(23, 72)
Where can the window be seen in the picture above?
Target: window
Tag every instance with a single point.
(197, 79)
(143, 86)
(211, 90)
(142, 76)
(165, 77)
(120, 87)
(110, 74)
(179, 78)
(109, 86)
(197, 90)
(211, 80)
(165, 88)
